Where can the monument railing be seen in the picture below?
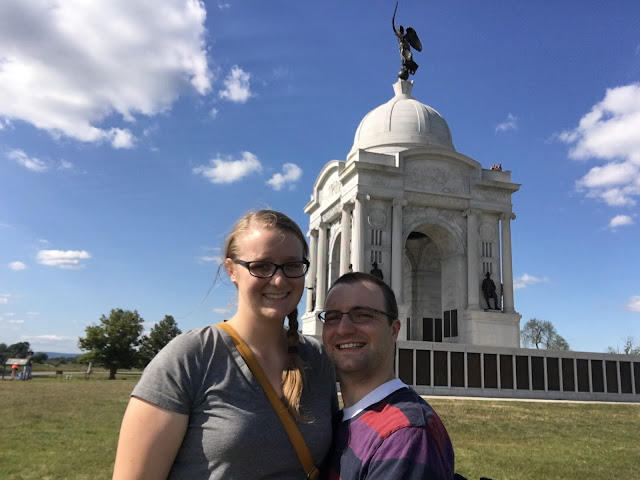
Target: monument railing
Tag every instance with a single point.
(434, 368)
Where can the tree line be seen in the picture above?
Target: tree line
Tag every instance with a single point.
(19, 350)
(117, 341)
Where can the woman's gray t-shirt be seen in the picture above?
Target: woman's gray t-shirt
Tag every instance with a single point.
(233, 431)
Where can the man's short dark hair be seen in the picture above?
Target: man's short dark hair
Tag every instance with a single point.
(352, 278)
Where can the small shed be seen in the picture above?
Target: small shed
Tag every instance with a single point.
(10, 361)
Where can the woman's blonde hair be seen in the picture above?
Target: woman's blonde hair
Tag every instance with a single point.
(293, 375)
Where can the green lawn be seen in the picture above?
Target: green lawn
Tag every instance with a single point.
(68, 429)
(60, 429)
(542, 440)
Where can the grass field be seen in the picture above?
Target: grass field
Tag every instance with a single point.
(67, 429)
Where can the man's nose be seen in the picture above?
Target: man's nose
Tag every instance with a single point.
(345, 324)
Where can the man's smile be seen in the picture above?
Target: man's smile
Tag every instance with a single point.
(344, 346)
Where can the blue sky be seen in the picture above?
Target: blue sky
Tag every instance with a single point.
(133, 134)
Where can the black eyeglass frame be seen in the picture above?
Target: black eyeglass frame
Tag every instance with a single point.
(247, 265)
(322, 315)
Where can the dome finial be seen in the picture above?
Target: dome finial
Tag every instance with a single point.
(403, 88)
(406, 40)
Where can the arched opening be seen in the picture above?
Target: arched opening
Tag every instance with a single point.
(430, 284)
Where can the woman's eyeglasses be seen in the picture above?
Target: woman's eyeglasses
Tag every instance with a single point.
(262, 269)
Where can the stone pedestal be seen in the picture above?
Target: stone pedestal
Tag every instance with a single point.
(310, 324)
(490, 328)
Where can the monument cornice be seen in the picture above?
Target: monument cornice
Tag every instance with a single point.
(494, 184)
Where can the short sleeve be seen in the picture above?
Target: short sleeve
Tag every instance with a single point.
(170, 381)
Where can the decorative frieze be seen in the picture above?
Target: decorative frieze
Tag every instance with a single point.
(377, 218)
(493, 195)
(436, 176)
(487, 232)
(330, 190)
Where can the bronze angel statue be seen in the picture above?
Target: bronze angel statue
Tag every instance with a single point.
(406, 40)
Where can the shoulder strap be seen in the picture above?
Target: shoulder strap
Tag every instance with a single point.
(297, 440)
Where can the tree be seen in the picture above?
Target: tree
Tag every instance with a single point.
(40, 357)
(19, 350)
(629, 347)
(4, 354)
(542, 333)
(114, 340)
(159, 336)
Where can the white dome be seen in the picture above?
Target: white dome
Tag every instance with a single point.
(402, 121)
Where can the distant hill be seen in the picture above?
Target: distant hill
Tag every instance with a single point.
(58, 354)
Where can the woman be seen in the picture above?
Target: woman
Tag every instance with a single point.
(198, 411)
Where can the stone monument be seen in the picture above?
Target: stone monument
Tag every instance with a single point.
(432, 220)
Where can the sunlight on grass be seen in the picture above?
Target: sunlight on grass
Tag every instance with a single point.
(69, 430)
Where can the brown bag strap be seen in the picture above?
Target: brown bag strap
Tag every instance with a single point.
(300, 446)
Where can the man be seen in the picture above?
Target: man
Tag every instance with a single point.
(27, 366)
(387, 431)
(376, 272)
(489, 291)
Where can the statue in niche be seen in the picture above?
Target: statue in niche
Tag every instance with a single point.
(406, 40)
(489, 292)
(376, 272)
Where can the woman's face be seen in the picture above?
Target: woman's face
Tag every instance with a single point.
(267, 298)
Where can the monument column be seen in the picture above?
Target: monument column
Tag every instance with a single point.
(345, 238)
(507, 265)
(321, 275)
(397, 248)
(311, 274)
(358, 235)
(473, 290)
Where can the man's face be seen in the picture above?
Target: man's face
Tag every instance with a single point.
(360, 349)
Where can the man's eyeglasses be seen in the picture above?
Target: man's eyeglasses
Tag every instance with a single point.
(262, 269)
(356, 314)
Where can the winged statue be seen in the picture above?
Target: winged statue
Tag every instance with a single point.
(407, 39)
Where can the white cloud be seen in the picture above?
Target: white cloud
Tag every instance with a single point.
(65, 165)
(121, 138)
(17, 322)
(223, 310)
(525, 280)
(55, 343)
(237, 88)
(17, 266)
(69, 65)
(633, 304)
(30, 163)
(62, 259)
(291, 173)
(620, 220)
(4, 298)
(214, 112)
(229, 170)
(211, 258)
(148, 325)
(609, 132)
(51, 337)
(511, 123)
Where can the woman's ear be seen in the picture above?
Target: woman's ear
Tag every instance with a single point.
(229, 266)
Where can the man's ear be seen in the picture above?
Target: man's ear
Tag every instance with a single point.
(395, 329)
(229, 266)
